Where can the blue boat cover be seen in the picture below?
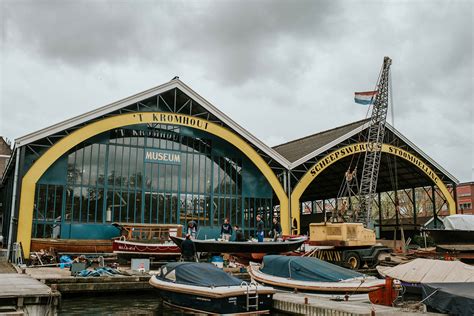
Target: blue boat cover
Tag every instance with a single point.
(200, 274)
(453, 298)
(306, 269)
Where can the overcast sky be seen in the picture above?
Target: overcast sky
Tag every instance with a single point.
(281, 69)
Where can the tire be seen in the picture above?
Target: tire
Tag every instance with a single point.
(353, 260)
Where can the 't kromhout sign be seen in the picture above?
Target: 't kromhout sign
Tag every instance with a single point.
(173, 118)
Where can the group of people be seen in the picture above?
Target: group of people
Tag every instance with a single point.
(227, 230)
(188, 250)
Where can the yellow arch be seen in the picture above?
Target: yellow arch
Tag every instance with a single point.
(30, 179)
(334, 156)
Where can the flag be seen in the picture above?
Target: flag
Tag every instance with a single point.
(367, 97)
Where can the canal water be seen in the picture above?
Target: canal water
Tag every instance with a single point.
(118, 304)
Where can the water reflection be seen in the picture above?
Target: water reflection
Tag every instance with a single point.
(134, 303)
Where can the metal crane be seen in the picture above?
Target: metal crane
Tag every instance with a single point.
(370, 172)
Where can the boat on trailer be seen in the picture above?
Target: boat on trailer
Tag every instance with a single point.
(204, 288)
(146, 240)
(311, 275)
(238, 247)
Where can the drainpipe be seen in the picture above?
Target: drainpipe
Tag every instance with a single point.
(12, 215)
(288, 178)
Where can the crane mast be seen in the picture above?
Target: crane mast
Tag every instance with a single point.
(370, 172)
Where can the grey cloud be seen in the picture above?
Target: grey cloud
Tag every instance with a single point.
(296, 64)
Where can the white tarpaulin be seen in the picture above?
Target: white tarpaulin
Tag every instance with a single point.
(430, 271)
(459, 222)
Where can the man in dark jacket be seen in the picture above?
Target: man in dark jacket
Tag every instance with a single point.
(276, 229)
(226, 230)
(239, 236)
(260, 226)
(188, 251)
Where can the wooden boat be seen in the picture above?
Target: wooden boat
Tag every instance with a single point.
(311, 275)
(217, 246)
(147, 240)
(80, 246)
(204, 288)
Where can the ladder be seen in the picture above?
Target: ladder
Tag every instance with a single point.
(374, 143)
(251, 295)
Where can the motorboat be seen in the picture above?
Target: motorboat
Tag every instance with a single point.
(204, 288)
(221, 246)
(146, 240)
(310, 274)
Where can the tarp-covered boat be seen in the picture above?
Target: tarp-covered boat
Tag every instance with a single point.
(202, 287)
(311, 274)
(429, 271)
(458, 229)
(451, 298)
(217, 246)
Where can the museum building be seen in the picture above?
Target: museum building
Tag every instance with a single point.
(166, 155)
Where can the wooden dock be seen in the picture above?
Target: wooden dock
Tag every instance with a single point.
(62, 281)
(310, 304)
(21, 294)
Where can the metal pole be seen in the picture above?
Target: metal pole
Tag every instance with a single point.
(12, 210)
(380, 215)
(413, 194)
(324, 211)
(290, 211)
(435, 214)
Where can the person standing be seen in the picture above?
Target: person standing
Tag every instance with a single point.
(260, 226)
(188, 251)
(192, 229)
(276, 229)
(226, 230)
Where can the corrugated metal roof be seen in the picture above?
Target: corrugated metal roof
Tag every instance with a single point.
(301, 147)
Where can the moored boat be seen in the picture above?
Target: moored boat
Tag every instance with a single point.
(311, 275)
(416, 272)
(147, 240)
(458, 230)
(218, 246)
(204, 288)
(80, 246)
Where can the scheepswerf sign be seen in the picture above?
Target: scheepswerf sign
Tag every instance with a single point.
(162, 156)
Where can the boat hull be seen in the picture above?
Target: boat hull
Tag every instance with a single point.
(214, 300)
(455, 237)
(224, 305)
(81, 246)
(124, 248)
(213, 246)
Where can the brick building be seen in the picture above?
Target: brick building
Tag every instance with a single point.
(5, 153)
(465, 197)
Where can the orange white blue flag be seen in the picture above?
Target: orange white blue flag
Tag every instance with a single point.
(367, 97)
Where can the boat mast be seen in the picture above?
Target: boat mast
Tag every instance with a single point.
(373, 152)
